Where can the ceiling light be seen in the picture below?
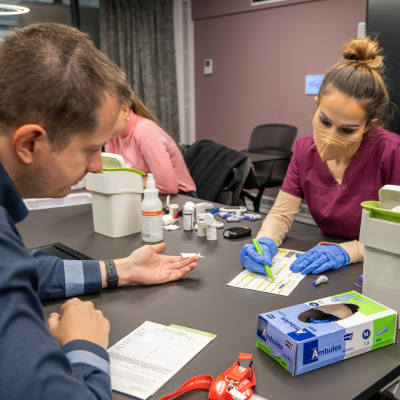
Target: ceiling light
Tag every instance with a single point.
(13, 10)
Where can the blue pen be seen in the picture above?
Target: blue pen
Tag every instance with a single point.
(213, 211)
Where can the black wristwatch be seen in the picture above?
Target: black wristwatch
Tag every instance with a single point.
(112, 275)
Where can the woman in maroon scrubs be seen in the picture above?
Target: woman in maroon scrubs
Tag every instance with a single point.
(346, 161)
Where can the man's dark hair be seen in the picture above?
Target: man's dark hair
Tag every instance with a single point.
(53, 75)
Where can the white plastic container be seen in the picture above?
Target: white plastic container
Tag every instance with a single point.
(174, 211)
(201, 226)
(212, 231)
(200, 208)
(209, 218)
(116, 197)
(380, 237)
(188, 219)
(152, 226)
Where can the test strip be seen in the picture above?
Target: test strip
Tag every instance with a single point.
(277, 285)
(283, 286)
(243, 278)
(262, 283)
(248, 283)
(281, 269)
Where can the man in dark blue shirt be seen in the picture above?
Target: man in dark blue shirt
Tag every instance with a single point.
(60, 100)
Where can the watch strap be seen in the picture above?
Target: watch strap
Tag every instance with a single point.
(112, 275)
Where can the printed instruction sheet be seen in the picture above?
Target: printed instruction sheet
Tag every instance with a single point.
(285, 280)
(143, 361)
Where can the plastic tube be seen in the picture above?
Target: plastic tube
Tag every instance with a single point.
(321, 279)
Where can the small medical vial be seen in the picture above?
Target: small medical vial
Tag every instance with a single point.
(201, 226)
(187, 219)
(174, 211)
(212, 231)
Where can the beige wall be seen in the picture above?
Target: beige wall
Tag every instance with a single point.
(260, 58)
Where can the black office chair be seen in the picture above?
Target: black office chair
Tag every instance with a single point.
(230, 193)
(271, 139)
(218, 172)
(183, 147)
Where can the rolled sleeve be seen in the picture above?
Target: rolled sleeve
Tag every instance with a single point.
(355, 250)
(81, 277)
(65, 278)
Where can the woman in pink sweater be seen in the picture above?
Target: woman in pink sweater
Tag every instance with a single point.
(144, 143)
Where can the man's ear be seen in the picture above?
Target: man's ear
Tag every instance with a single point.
(371, 125)
(28, 141)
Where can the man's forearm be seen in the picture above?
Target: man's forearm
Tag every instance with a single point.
(65, 278)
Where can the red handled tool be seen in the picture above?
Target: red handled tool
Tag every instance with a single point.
(233, 384)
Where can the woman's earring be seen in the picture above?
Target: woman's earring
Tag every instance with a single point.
(126, 118)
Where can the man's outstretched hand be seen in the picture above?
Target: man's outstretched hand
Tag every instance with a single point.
(146, 266)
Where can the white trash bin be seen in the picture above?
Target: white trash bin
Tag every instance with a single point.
(380, 234)
(116, 197)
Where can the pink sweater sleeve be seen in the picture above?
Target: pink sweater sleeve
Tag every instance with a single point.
(154, 151)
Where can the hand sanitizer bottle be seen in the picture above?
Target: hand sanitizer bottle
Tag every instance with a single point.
(152, 227)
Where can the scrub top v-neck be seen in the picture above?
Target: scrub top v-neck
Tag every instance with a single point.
(336, 207)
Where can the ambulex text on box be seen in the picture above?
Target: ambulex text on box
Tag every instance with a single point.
(300, 346)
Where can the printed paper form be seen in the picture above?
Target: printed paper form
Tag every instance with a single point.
(143, 361)
(285, 280)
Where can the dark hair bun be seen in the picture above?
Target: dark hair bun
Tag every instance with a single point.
(363, 51)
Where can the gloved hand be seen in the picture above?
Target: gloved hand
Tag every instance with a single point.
(319, 259)
(253, 261)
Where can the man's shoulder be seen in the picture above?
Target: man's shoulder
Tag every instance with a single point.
(8, 230)
(5, 219)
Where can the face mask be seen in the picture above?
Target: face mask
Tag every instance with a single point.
(331, 147)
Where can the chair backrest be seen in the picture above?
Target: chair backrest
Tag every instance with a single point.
(214, 168)
(245, 167)
(271, 138)
(231, 196)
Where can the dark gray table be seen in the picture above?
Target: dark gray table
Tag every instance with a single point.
(259, 157)
(203, 301)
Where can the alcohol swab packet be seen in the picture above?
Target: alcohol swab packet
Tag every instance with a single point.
(171, 227)
(188, 255)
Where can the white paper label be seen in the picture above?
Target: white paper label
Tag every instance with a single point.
(152, 227)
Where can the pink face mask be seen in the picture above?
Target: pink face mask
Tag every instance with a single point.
(331, 146)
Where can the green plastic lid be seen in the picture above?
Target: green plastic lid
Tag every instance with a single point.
(135, 171)
(375, 211)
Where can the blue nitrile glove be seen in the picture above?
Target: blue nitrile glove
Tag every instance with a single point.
(253, 261)
(319, 259)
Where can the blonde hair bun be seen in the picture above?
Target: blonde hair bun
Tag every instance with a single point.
(364, 51)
